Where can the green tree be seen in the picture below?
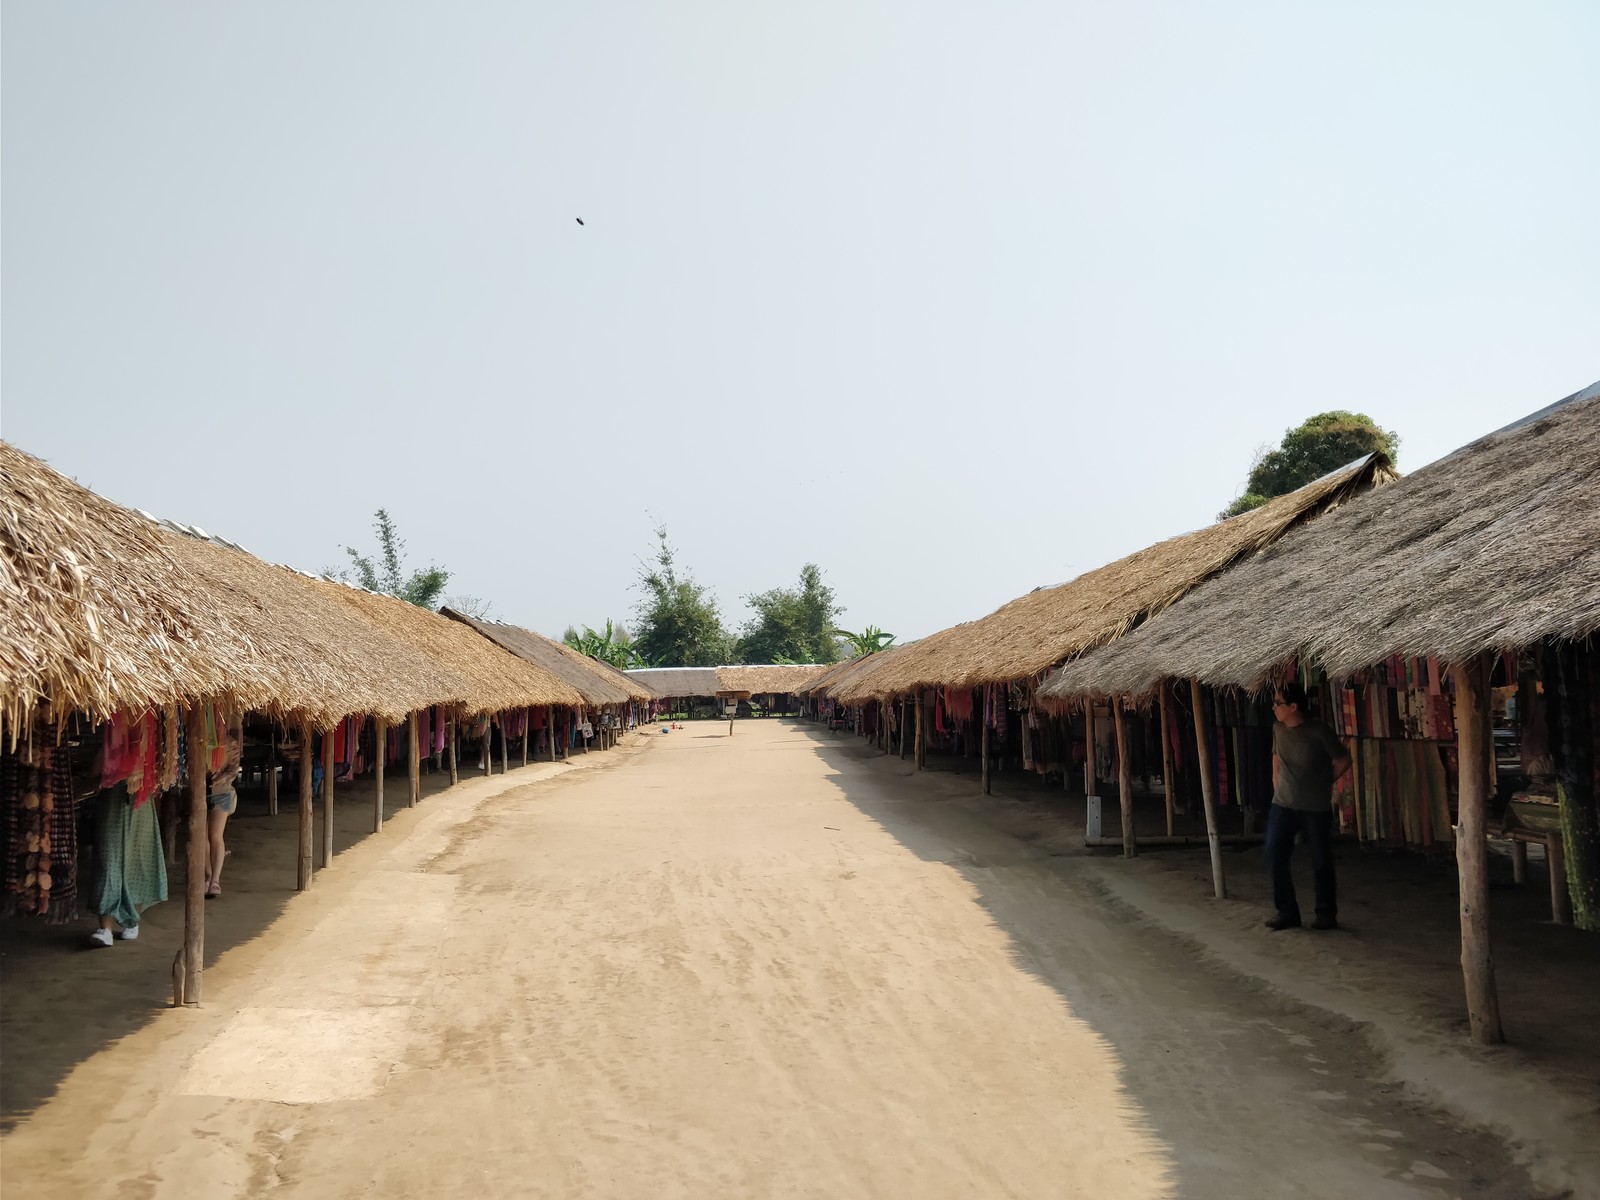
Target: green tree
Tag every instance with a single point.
(792, 625)
(1309, 451)
(678, 619)
(387, 575)
(613, 645)
(869, 641)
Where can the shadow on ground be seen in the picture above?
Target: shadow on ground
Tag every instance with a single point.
(1205, 1050)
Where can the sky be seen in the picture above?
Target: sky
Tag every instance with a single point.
(954, 300)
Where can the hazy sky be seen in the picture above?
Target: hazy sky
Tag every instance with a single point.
(952, 299)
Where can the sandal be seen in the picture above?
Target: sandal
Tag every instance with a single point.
(213, 890)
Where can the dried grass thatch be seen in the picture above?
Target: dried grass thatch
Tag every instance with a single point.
(95, 614)
(1049, 625)
(777, 680)
(591, 683)
(678, 683)
(854, 675)
(1494, 547)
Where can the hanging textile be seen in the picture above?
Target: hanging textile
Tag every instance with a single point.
(145, 774)
(40, 824)
(438, 732)
(119, 752)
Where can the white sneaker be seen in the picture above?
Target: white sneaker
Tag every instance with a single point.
(100, 937)
(130, 933)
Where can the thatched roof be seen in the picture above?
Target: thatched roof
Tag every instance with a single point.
(320, 658)
(591, 682)
(637, 689)
(856, 673)
(774, 680)
(675, 683)
(481, 676)
(95, 614)
(1494, 547)
(834, 671)
(1050, 625)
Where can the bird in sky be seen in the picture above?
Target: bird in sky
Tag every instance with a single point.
(579, 220)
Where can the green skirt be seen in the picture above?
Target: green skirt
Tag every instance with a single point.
(131, 868)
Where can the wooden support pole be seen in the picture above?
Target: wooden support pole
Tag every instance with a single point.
(1560, 898)
(505, 746)
(272, 770)
(194, 884)
(1208, 787)
(414, 756)
(902, 727)
(1472, 852)
(916, 761)
(303, 876)
(550, 721)
(984, 769)
(527, 733)
(1519, 863)
(1119, 720)
(1166, 758)
(380, 730)
(585, 740)
(455, 750)
(1091, 785)
(327, 798)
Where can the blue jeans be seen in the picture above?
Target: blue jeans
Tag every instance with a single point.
(1317, 829)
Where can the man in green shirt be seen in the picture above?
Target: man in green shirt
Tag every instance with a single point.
(1307, 759)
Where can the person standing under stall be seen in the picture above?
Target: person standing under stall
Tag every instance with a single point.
(1307, 760)
(130, 866)
(221, 801)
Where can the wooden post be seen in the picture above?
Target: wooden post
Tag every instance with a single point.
(487, 752)
(327, 798)
(272, 770)
(1519, 862)
(1090, 783)
(1472, 853)
(194, 884)
(414, 757)
(916, 760)
(455, 750)
(1560, 898)
(1208, 788)
(902, 727)
(505, 747)
(380, 729)
(984, 769)
(585, 740)
(550, 731)
(303, 877)
(527, 733)
(1166, 758)
(1119, 720)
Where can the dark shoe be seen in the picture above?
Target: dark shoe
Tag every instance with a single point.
(1325, 923)
(1282, 922)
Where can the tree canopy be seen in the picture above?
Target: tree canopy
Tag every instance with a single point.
(792, 625)
(678, 619)
(1309, 451)
(387, 575)
(613, 645)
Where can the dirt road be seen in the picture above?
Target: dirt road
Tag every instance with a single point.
(758, 966)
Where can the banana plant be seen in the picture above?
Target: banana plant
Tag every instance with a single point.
(869, 641)
(613, 646)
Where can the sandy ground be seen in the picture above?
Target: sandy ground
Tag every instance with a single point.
(756, 966)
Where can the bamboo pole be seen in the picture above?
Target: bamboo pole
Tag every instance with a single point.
(194, 883)
(1166, 758)
(455, 750)
(272, 770)
(327, 798)
(984, 769)
(550, 720)
(1472, 853)
(1560, 897)
(1090, 783)
(1119, 720)
(303, 876)
(380, 729)
(1208, 788)
(414, 761)
(917, 758)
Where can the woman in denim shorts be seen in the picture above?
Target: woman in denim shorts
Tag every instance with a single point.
(221, 800)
